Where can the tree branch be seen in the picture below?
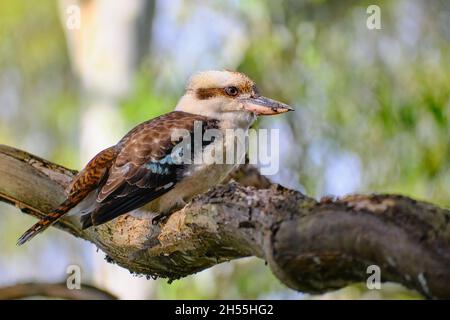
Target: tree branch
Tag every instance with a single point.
(311, 246)
(53, 290)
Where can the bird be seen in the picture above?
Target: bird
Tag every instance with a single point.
(142, 169)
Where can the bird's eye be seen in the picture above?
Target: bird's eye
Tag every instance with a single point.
(231, 91)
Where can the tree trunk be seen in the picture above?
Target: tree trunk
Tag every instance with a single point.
(311, 246)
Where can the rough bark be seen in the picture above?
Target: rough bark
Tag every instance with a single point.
(311, 246)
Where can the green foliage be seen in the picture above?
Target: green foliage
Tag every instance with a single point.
(35, 76)
(381, 96)
(145, 102)
(376, 94)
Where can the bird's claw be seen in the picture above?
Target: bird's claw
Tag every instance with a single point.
(158, 218)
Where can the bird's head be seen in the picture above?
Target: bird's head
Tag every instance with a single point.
(227, 95)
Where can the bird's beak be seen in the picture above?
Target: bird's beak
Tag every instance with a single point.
(264, 106)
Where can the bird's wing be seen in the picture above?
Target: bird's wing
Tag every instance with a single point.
(92, 174)
(144, 168)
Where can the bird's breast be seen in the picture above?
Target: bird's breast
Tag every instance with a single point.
(210, 167)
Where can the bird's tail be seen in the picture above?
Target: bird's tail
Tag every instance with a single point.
(45, 222)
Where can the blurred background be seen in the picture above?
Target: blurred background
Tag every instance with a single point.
(372, 108)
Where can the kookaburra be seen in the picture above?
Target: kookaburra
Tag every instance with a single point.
(140, 170)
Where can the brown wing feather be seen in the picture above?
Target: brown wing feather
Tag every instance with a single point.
(92, 174)
(144, 169)
(83, 183)
(150, 142)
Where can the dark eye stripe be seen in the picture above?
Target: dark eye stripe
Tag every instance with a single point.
(208, 93)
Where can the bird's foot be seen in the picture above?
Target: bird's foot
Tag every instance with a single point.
(159, 218)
